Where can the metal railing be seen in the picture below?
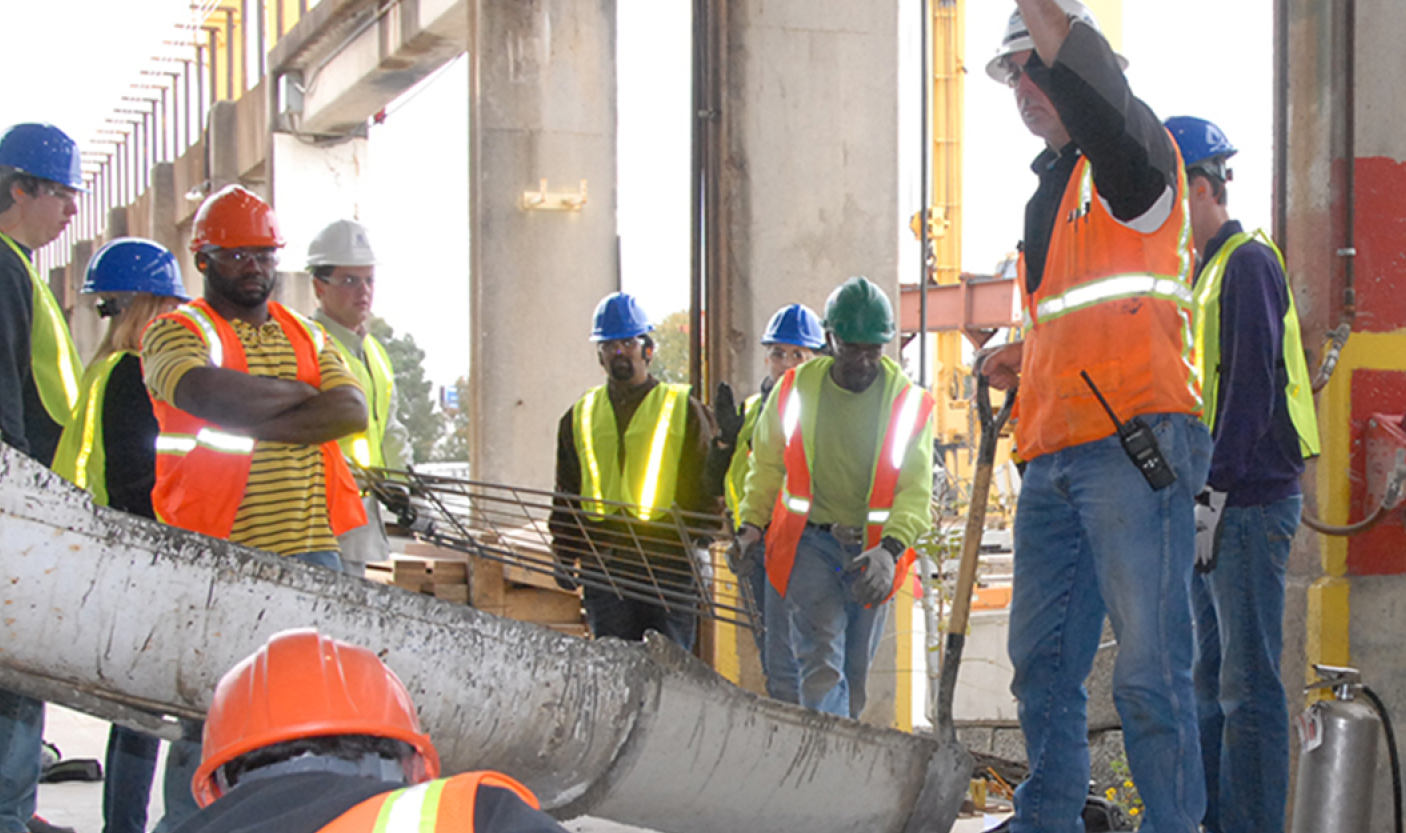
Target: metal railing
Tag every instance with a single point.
(665, 561)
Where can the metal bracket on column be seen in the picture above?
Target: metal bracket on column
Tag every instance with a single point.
(543, 200)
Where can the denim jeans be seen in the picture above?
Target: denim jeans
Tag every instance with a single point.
(1091, 537)
(21, 742)
(628, 619)
(774, 643)
(834, 637)
(130, 769)
(1240, 697)
(330, 559)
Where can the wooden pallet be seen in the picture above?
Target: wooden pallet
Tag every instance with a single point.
(510, 591)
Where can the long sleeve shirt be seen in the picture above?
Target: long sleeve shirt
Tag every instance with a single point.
(566, 523)
(129, 439)
(850, 440)
(1256, 458)
(24, 423)
(1134, 161)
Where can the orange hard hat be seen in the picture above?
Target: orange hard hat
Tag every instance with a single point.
(302, 684)
(234, 217)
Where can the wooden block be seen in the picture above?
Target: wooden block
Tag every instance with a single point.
(532, 604)
(533, 570)
(456, 593)
(570, 630)
(449, 572)
(409, 572)
(428, 551)
(487, 583)
(380, 572)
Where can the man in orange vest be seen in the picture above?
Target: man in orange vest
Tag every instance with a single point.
(310, 734)
(251, 399)
(1105, 520)
(841, 480)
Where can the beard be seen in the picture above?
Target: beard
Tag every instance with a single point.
(622, 369)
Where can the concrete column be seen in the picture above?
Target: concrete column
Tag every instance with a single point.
(809, 168)
(1343, 592)
(223, 139)
(542, 107)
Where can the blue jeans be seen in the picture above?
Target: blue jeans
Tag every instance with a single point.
(774, 643)
(130, 770)
(1091, 537)
(21, 742)
(331, 559)
(1240, 697)
(834, 637)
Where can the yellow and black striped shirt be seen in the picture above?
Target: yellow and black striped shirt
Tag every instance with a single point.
(284, 509)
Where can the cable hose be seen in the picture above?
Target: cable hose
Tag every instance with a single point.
(1391, 752)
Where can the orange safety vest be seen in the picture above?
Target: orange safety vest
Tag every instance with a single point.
(445, 804)
(201, 469)
(907, 411)
(1114, 302)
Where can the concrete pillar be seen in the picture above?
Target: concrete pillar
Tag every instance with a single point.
(1343, 598)
(223, 140)
(542, 107)
(807, 196)
(809, 169)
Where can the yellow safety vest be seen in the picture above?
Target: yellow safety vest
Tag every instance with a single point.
(53, 359)
(80, 457)
(1299, 389)
(736, 477)
(377, 379)
(645, 472)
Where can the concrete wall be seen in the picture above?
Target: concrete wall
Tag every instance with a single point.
(1344, 600)
(809, 177)
(544, 108)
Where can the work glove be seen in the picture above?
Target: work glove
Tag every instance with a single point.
(1210, 508)
(564, 572)
(744, 556)
(875, 580)
(728, 416)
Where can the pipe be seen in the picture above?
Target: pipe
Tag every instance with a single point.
(925, 48)
(640, 734)
(1338, 336)
(1391, 496)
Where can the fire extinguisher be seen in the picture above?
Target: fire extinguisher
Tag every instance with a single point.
(1338, 756)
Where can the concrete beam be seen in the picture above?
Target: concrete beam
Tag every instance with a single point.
(354, 58)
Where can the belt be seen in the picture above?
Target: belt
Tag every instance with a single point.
(821, 527)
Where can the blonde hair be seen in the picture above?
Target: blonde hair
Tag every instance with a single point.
(124, 333)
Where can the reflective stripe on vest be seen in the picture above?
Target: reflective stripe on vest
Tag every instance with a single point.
(615, 479)
(80, 455)
(1298, 387)
(53, 359)
(908, 410)
(376, 376)
(736, 477)
(411, 810)
(445, 805)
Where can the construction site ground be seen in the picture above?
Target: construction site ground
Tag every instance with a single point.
(79, 805)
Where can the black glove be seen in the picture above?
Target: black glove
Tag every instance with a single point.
(394, 497)
(728, 416)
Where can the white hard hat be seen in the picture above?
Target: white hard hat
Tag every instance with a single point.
(1017, 37)
(344, 243)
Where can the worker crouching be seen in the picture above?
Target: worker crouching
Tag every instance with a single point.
(841, 479)
(311, 733)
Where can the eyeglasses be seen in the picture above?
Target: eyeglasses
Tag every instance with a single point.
(54, 189)
(621, 345)
(795, 354)
(349, 281)
(1014, 72)
(239, 258)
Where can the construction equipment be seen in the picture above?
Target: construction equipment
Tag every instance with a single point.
(123, 618)
(971, 546)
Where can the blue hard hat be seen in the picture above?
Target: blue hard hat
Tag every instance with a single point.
(1203, 145)
(797, 325)
(131, 264)
(619, 316)
(44, 151)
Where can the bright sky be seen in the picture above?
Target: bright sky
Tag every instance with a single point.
(418, 213)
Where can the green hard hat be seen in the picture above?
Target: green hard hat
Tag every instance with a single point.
(859, 312)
